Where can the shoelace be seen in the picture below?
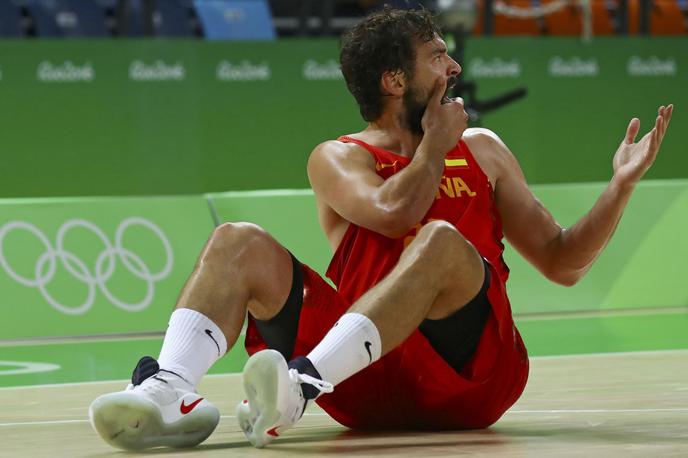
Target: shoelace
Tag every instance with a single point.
(323, 386)
(158, 390)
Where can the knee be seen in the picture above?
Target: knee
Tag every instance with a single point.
(231, 240)
(442, 240)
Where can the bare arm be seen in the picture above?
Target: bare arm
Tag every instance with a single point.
(564, 255)
(344, 177)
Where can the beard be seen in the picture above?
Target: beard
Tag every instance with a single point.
(415, 104)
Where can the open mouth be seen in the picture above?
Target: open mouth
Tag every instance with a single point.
(451, 82)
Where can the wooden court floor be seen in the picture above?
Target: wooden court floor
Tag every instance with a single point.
(610, 405)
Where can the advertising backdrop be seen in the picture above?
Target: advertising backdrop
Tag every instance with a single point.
(127, 117)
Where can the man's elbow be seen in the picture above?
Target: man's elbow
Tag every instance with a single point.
(564, 277)
(395, 223)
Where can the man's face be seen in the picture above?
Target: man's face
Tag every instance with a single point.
(432, 61)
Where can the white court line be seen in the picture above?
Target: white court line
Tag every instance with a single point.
(47, 422)
(237, 374)
(678, 409)
(64, 422)
(124, 382)
(612, 353)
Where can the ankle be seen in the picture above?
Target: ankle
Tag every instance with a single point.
(310, 390)
(175, 379)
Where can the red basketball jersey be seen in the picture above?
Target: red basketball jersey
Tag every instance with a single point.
(413, 387)
(464, 198)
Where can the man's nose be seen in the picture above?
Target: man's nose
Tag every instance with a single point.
(454, 67)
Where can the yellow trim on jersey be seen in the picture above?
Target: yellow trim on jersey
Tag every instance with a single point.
(380, 166)
(456, 162)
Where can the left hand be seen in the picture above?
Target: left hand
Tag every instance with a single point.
(632, 160)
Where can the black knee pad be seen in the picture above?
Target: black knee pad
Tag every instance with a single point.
(456, 337)
(279, 332)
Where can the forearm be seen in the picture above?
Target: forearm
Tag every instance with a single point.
(577, 247)
(410, 193)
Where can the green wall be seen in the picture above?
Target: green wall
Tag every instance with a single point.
(153, 117)
(141, 250)
(97, 266)
(81, 267)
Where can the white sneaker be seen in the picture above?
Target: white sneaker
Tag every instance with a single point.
(163, 410)
(275, 398)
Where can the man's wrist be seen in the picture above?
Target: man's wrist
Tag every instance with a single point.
(622, 186)
(426, 153)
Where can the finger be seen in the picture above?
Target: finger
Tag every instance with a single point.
(667, 117)
(438, 91)
(632, 131)
(458, 100)
(654, 144)
(660, 112)
(659, 126)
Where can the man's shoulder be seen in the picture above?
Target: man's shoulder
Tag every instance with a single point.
(485, 143)
(339, 149)
(481, 138)
(338, 154)
(489, 150)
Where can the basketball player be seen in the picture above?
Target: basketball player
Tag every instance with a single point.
(419, 333)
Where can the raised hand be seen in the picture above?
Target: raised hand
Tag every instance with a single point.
(632, 160)
(444, 120)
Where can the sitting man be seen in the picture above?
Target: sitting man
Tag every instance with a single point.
(419, 333)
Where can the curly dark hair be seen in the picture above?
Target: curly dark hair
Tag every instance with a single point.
(384, 41)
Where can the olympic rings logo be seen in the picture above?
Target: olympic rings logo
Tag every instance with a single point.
(46, 264)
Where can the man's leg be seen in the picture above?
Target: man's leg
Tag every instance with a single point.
(241, 268)
(437, 275)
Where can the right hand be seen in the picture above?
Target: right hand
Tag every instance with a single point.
(443, 123)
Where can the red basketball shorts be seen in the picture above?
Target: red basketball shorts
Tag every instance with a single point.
(412, 387)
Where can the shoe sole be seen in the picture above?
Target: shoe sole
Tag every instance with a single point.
(131, 423)
(261, 379)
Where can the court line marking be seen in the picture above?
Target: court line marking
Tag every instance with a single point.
(600, 313)
(62, 422)
(237, 374)
(518, 317)
(69, 340)
(566, 411)
(668, 409)
(611, 353)
(124, 382)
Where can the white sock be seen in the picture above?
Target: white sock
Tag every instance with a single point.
(351, 345)
(192, 344)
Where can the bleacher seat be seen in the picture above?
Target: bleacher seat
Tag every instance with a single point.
(131, 17)
(68, 18)
(566, 21)
(479, 18)
(667, 18)
(235, 19)
(602, 23)
(516, 26)
(10, 20)
(172, 18)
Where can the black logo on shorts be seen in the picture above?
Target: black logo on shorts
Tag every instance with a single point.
(210, 334)
(367, 347)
